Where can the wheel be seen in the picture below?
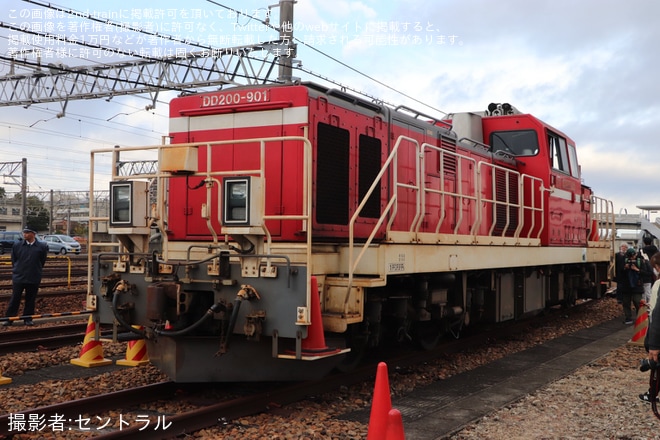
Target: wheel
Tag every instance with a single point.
(62, 251)
(427, 334)
(351, 359)
(357, 341)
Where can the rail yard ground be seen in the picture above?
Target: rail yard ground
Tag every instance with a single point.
(599, 400)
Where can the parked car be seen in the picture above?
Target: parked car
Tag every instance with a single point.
(82, 241)
(7, 240)
(61, 244)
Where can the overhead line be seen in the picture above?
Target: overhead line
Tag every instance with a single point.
(87, 16)
(353, 69)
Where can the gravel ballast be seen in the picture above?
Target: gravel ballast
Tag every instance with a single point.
(598, 401)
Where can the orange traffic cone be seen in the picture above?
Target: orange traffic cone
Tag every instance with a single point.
(91, 354)
(394, 426)
(380, 406)
(641, 325)
(314, 343)
(136, 352)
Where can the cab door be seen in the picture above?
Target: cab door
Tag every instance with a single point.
(564, 203)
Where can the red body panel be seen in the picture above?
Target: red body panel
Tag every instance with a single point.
(453, 199)
(566, 210)
(204, 118)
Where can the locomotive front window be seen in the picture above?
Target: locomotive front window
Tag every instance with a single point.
(516, 142)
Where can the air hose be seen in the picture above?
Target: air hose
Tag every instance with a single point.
(215, 308)
(247, 292)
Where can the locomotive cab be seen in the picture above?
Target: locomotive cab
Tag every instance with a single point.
(539, 150)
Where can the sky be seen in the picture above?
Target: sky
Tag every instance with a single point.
(586, 67)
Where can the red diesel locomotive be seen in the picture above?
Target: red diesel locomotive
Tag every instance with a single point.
(290, 228)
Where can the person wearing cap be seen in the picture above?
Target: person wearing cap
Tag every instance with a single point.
(28, 257)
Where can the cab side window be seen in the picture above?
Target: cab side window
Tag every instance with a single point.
(558, 153)
(572, 155)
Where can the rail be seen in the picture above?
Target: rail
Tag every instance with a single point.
(6, 261)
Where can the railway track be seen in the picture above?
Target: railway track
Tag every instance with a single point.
(44, 338)
(56, 267)
(262, 398)
(69, 275)
(54, 291)
(72, 411)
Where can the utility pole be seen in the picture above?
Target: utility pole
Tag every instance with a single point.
(24, 193)
(288, 51)
(52, 212)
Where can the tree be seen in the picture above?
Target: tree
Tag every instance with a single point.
(37, 214)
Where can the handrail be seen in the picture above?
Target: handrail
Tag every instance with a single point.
(481, 145)
(521, 205)
(211, 178)
(352, 265)
(460, 194)
(416, 114)
(530, 199)
(533, 206)
(530, 192)
(602, 212)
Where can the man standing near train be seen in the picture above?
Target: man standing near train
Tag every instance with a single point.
(631, 284)
(619, 263)
(28, 257)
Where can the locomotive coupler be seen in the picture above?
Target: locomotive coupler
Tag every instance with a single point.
(247, 292)
(253, 326)
(108, 285)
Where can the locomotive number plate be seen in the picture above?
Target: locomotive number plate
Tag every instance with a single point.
(238, 97)
(397, 267)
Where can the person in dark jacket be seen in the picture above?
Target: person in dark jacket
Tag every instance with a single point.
(649, 248)
(619, 263)
(28, 257)
(647, 253)
(652, 339)
(633, 288)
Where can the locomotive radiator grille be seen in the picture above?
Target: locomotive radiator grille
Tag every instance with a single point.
(507, 200)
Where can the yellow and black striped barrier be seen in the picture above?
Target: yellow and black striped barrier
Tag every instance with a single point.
(44, 315)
